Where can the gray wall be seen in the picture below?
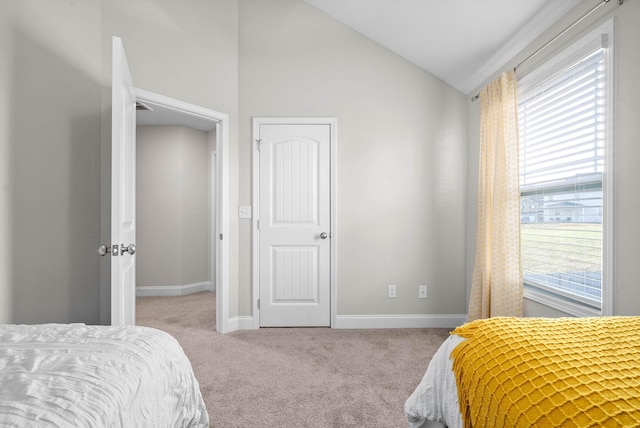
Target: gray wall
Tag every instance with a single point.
(401, 136)
(401, 155)
(55, 71)
(626, 149)
(401, 140)
(172, 193)
(50, 101)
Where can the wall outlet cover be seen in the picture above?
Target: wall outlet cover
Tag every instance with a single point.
(422, 291)
(391, 291)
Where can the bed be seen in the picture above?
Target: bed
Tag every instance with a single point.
(512, 372)
(74, 375)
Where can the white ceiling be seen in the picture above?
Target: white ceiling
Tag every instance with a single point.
(463, 42)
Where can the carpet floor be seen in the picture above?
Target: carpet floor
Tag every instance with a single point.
(295, 377)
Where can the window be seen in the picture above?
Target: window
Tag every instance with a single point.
(564, 121)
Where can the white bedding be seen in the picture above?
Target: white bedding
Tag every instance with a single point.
(73, 375)
(436, 397)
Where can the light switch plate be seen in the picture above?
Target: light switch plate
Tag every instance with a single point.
(244, 211)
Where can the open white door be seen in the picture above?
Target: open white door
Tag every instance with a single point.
(123, 190)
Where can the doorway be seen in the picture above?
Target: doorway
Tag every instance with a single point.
(211, 129)
(125, 101)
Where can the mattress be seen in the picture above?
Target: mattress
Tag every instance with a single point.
(74, 375)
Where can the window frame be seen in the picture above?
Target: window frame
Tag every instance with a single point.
(536, 73)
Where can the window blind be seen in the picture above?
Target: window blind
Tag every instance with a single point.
(562, 140)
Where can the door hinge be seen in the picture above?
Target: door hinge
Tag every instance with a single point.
(258, 303)
(259, 144)
(221, 236)
(258, 224)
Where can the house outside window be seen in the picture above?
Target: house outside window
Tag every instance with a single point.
(565, 164)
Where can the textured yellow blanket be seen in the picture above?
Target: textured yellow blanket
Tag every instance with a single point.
(544, 372)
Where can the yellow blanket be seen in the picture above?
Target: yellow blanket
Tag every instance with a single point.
(545, 372)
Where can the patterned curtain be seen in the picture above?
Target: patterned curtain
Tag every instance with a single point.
(496, 285)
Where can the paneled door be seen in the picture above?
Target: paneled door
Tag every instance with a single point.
(123, 187)
(294, 225)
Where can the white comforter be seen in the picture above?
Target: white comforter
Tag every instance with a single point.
(436, 397)
(57, 375)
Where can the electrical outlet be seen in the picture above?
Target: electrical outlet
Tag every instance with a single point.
(422, 291)
(391, 291)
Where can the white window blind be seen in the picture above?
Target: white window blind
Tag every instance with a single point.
(562, 141)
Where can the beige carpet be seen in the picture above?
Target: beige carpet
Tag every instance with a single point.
(296, 377)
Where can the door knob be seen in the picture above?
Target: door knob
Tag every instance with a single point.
(323, 235)
(103, 250)
(131, 249)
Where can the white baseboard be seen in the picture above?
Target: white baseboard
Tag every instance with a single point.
(240, 323)
(370, 321)
(400, 321)
(173, 290)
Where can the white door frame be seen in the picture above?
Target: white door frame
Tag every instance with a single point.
(220, 221)
(255, 242)
(213, 199)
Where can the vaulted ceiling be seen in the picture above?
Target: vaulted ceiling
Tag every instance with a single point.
(463, 42)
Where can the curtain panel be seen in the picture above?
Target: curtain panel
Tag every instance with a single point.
(496, 285)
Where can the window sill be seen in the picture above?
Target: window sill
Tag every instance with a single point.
(569, 308)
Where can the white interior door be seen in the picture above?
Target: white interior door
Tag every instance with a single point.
(123, 197)
(294, 225)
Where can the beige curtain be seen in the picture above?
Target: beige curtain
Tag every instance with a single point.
(496, 286)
